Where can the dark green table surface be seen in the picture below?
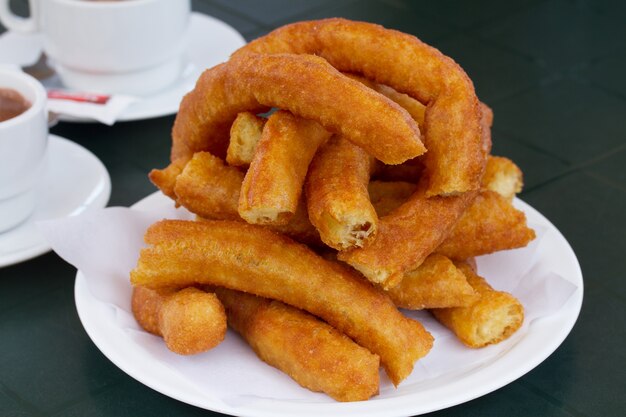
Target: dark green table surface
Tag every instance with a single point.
(555, 74)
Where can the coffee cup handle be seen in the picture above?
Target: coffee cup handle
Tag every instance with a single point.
(16, 23)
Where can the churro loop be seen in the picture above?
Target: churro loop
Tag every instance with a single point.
(455, 159)
(305, 85)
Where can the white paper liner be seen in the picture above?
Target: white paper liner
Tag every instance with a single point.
(105, 244)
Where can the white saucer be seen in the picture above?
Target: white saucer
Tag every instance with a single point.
(211, 42)
(76, 181)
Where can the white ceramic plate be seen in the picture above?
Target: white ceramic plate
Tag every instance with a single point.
(133, 351)
(76, 181)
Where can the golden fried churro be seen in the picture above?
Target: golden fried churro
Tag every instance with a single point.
(311, 88)
(254, 259)
(305, 85)
(165, 178)
(271, 189)
(412, 170)
(437, 283)
(503, 177)
(421, 224)
(491, 319)
(190, 320)
(489, 225)
(245, 133)
(336, 193)
(414, 107)
(455, 159)
(314, 354)
(146, 305)
(209, 188)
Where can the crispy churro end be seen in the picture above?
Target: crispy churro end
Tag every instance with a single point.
(386, 279)
(192, 321)
(165, 179)
(245, 134)
(265, 216)
(490, 320)
(348, 232)
(502, 323)
(503, 176)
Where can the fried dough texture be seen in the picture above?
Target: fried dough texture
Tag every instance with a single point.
(486, 121)
(272, 187)
(421, 223)
(314, 354)
(146, 305)
(455, 159)
(336, 192)
(412, 170)
(411, 105)
(211, 189)
(417, 110)
(165, 179)
(491, 319)
(437, 283)
(245, 134)
(503, 177)
(253, 259)
(489, 225)
(305, 85)
(190, 321)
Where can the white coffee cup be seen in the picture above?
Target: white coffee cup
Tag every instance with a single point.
(125, 46)
(23, 146)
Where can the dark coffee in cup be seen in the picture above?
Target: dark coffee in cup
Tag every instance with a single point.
(12, 104)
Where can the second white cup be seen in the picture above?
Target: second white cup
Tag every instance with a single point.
(23, 149)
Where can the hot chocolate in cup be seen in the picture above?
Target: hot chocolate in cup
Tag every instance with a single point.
(23, 145)
(132, 47)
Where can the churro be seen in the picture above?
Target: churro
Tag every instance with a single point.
(253, 259)
(314, 354)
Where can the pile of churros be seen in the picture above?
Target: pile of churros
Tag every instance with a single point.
(339, 171)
